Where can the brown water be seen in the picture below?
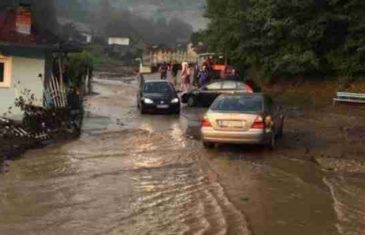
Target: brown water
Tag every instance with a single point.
(129, 174)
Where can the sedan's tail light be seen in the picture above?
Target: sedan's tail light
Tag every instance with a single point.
(258, 123)
(205, 122)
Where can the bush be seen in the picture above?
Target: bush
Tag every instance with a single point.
(78, 67)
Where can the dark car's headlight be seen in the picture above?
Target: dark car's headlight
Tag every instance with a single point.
(175, 101)
(147, 101)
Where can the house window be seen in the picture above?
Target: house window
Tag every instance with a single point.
(5, 71)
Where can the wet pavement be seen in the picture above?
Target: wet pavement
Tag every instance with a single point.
(133, 174)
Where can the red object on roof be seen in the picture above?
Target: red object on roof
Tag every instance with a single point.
(9, 35)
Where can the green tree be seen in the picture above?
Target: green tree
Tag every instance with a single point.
(290, 38)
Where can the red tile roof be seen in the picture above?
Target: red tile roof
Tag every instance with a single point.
(8, 34)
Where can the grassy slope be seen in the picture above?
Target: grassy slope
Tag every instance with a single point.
(310, 94)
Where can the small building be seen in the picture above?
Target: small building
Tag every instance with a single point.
(26, 61)
(75, 30)
(120, 48)
(88, 38)
(118, 41)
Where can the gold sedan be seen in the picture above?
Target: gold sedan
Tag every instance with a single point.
(242, 119)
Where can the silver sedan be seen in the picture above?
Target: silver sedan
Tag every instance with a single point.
(242, 119)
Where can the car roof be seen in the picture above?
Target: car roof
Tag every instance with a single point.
(225, 80)
(156, 81)
(240, 94)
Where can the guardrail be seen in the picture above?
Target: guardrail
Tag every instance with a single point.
(349, 97)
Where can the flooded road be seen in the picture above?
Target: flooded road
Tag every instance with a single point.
(133, 174)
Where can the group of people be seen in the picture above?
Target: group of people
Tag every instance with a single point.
(174, 68)
(200, 74)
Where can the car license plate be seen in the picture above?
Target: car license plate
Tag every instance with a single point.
(232, 124)
(162, 106)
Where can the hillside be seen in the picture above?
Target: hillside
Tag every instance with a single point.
(191, 11)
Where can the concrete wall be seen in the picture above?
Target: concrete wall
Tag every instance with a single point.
(25, 74)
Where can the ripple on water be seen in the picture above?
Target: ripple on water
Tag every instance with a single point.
(348, 198)
(128, 182)
(174, 196)
(181, 200)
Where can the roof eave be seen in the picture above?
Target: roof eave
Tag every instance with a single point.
(31, 46)
(57, 47)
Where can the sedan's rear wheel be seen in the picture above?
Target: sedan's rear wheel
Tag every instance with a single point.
(208, 145)
(281, 130)
(272, 141)
(191, 101)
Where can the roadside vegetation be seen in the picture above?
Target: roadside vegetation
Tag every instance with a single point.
(302, 53)
(99, 57)
(290, 39)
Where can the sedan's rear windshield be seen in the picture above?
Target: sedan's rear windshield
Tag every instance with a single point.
(157, 87)
(238, 104)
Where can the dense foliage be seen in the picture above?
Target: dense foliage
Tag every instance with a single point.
(290, 38)
(78, 67)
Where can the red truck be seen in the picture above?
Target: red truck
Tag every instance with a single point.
(217, 63)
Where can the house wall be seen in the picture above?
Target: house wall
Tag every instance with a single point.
(26, 73)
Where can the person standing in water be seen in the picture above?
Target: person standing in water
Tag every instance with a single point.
(203, 76)
(185, 77)
(163, 70)
(174, 72)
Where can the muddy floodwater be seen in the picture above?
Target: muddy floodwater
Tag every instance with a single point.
(133, 174)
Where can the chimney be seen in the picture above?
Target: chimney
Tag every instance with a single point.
(23, 23)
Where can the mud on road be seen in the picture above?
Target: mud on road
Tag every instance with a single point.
(133, 174)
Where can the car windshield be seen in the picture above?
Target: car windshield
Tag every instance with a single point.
(157, 87)
(238, 104)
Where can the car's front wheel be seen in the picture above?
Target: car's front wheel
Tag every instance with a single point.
(272, 141)
(281, 130)
(142, 109)
(175, 112)
(208, 145)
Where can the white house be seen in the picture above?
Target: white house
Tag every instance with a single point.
(20, 73)
(25, 61)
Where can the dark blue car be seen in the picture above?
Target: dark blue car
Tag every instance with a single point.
(156, 96)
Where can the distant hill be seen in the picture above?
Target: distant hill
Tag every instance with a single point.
(191, 11)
